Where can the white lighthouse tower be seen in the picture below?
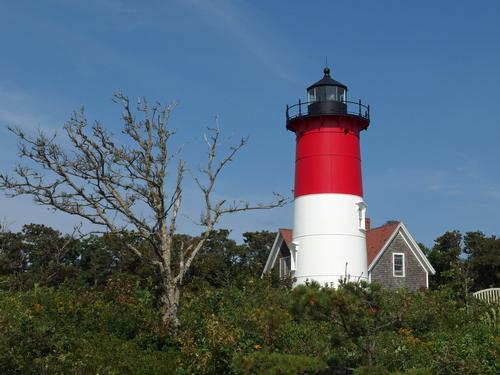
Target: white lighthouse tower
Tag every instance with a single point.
(329, 234)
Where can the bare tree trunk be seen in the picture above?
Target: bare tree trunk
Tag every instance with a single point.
(369, 349)
(170, 305)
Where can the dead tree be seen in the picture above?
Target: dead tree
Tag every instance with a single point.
(123, 187)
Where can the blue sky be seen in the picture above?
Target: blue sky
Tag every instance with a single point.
(429, 69)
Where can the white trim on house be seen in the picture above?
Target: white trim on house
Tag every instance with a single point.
(411, 247)
(417, 252)
(394, 265)
(386, 245)
(420, 255)
(271, 259)
(275, 250)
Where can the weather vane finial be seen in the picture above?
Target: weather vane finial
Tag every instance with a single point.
(326, 70)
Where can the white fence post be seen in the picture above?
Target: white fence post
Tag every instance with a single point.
(490, 295)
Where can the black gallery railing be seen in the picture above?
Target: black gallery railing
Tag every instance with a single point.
(350, 108)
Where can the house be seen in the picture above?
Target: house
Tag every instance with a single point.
(394, 258)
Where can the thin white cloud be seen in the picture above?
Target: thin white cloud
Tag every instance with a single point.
(24, 110)
(255, 36)
(493, 192)
(466, 179)
(117, 15)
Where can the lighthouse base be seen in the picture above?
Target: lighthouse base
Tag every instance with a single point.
(329, 238)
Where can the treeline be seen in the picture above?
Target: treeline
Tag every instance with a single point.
(42, 255)
(90, 306)
(469, 262)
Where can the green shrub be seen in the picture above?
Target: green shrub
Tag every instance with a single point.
(276, 364)
(46, 331)
(372, 370)
(467, 349)
(418, 371)
(254, 327)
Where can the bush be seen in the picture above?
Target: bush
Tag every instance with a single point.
(216, 323)
(62, 331)
(254, 327)
(372, 370)
(276, 364)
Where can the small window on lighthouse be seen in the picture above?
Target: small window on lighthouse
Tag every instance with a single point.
(362, 215)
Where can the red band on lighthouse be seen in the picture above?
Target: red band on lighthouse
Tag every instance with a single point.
(328, 155)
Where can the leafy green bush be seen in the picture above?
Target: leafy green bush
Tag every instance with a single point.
(276, 364)
(468, 348)
(63, 331)
(216, 323)
(252, 327)
(372, 370)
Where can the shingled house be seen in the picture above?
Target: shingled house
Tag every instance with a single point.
(394, 258)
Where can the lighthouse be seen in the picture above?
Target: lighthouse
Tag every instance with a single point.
(329, 234)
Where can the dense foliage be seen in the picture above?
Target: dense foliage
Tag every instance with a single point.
(89, 306)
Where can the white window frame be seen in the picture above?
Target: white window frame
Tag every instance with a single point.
(361, 213)
(394, 265)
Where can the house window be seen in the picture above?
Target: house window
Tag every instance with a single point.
(398, 261)
(285, 265)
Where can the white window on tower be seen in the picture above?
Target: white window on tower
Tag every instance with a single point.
(362, 215)
(398, 264)
(293, 256)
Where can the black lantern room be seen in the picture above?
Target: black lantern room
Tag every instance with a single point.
(327, 96)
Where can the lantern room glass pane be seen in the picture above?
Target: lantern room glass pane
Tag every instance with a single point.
(311, 95)
(341, 94)
(326, 93)
(320, 94)
(331, 92)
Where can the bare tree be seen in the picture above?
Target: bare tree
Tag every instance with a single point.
(124, 188)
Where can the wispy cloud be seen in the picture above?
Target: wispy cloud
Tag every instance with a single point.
(493, 192)
(256, 37)
(116, 15)
(467, 179)
(24, 110)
